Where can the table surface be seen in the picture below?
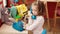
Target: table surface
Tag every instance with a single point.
(8, 29)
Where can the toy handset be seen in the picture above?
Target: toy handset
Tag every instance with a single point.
(33, 16)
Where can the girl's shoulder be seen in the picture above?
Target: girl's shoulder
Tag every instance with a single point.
(40, 17)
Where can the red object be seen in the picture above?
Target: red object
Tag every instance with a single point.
(0, 2)
(8, 3)
(20, 2)
(0, 22)
(51, 8)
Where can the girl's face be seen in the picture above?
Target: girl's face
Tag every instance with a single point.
(35, 10)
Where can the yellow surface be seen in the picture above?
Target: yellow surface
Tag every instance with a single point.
(21, 9)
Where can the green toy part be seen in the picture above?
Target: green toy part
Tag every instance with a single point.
(13, 11)
(17, 17)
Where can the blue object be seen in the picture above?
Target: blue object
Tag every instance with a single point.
(18, 26)
(31, 10)
(33, 17)
(44, 31)
(16, 0)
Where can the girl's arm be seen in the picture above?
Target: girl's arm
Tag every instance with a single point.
(35, 24)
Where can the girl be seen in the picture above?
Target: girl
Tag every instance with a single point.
(36, 24)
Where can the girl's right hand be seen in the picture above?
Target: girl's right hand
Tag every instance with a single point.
(30, 21)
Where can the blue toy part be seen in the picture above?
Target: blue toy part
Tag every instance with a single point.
(44, 31)
(33, 17)
(20, 23)
(31, 10)
(18, 26)
(16, 0)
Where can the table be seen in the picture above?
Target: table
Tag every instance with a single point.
(5, 29)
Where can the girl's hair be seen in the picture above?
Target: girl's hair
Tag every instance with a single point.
(41, 7)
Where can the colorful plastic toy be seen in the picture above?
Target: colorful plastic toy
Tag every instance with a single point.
(18, 11)
(18, 26)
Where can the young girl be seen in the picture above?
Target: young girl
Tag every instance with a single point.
(36, 25)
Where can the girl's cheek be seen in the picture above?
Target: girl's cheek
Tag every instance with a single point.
(35, 13)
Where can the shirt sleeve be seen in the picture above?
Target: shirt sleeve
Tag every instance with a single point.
(30, 21)
(35, 24)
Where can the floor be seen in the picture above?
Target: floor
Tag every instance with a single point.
(51, 25)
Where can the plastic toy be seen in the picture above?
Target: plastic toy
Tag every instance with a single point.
(21, 10)
(13, 11)
(31, 10)
(18, 26)
(44, 31)
(18, 11)
(33, 16)
(16, 0)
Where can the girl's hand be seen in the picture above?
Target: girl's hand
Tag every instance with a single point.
(25, 25)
